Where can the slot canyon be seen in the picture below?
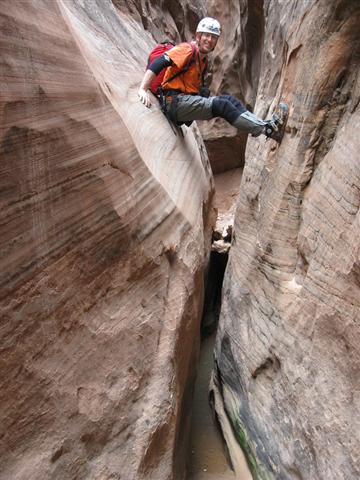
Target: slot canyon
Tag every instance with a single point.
(127, 243)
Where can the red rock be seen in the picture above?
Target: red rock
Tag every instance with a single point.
(287, 350)
(102, 251)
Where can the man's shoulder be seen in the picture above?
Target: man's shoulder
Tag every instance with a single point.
(184, 48)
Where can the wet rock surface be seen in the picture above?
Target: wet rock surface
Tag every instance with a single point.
(287, 351)
(208, 459)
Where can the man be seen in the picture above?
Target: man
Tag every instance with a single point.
(183, 91)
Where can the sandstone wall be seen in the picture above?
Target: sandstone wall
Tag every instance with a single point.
(176, 20)
(103, 214)
(288, 353)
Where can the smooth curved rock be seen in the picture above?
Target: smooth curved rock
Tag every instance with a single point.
(288, 352)
(103, 214)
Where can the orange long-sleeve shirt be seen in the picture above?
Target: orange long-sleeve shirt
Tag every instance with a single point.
(191, 80)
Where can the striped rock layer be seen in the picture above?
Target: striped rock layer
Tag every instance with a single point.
(287, 354)
(104, 236)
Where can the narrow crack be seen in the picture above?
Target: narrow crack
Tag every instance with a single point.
(208, 453)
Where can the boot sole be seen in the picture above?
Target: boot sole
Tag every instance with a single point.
(284, 115)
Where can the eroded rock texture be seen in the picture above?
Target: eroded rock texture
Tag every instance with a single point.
(103, 213)
(288, 353)
(165, 18)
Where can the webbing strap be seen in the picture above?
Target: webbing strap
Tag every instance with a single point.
(187, 66)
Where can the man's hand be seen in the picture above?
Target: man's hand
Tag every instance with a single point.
(144, 96)
(144, 90)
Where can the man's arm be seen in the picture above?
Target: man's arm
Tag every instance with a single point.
(143, 92)
(157, 65)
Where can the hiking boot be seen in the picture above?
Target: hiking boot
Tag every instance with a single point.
(275, 127)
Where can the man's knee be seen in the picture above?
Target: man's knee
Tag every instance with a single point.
(222, 107)
(234, 101)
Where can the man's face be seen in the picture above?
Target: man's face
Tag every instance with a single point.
(206, 42)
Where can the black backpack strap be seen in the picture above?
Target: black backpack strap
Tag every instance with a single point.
(168, 111)
(203, 73)
(187, 66)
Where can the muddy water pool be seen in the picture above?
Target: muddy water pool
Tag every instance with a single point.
(208, 458)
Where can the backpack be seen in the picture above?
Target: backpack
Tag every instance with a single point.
(159, 50)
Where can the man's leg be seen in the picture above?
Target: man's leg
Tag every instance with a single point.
(195, 107)
(192, 107)
(232, 110)
(234, 101)
(250, 123)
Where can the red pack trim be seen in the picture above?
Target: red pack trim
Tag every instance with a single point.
(156, 52)
(159, 50)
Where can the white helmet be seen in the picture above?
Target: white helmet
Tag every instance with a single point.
(209, 25)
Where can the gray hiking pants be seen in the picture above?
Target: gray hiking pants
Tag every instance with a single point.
(195, 107)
